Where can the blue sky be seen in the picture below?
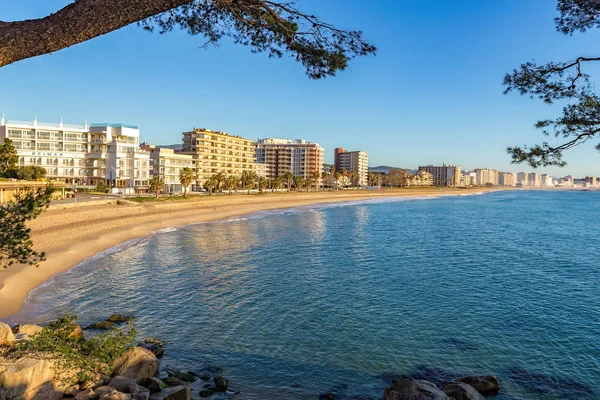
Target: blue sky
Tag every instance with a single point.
(432, 94)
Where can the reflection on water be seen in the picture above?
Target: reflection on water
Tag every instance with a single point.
(296, 302)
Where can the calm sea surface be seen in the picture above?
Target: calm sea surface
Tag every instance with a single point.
(299, 302)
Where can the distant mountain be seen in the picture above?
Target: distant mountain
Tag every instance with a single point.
(385, 169)
(170, 146)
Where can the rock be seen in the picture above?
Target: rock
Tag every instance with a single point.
(462, 391)
(27, 329)
(115, 395)
(173, 381)
(138, 392)
(154, 385)
(137, 363)
(184, 376)
(119, 318)
(7, 338)
(414, 389)
(155, 341)
(221, 383)
(121, 383)
(485, 385)
(75, 331)
(327, 396)
(87, 394)
(103, 389)
(152, 347)
(204, 377)
(174, 393)
(27, 378)
(101, 325)
(71, 391)
(206, 393)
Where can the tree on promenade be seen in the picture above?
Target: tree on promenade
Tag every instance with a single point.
(266, 26)
(186, 176)
(219, 178)
(231, 183)
(210, 184)
(251, 178)
(261, 183)
(288, 177)
(8, 157)
(15, 240)
(567, 81)
(157, 185)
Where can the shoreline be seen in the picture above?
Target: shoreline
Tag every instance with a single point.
(69, 236)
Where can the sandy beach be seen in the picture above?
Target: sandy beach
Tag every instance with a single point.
(70, 235)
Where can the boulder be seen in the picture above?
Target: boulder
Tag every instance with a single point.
(184, 376)
(220, 383)
(115, 395)
(484, 384)
(154, 385)
(75, 331)
(205, 393)
(101, 325)
(71, 391)
(137, 363)
(27, 329)
(7, 338)
(27, 378)
(414, 389)
(462, 391)
(103, 389)
(119, 318)
(174, 381)
(174, 393)
(87, 394)
(152, 347)
(138, 392)
(121, 383)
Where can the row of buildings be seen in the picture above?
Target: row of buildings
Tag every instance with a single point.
(112, 155)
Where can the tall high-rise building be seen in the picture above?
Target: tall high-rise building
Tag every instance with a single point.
(508, 179)
(445, 175)
(486, 177)
(215, 152)
(60, 149)
(523, 179)
(300, 157)
(354, 161)
(535, 179)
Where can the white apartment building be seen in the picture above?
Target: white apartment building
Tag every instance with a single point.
(355, 161)
(522, 179)
(445, 175)
(167, 164)
(299, 157)
(115, 158)
(61, 149)
(486, 177)
(535, 179)
(508, 179)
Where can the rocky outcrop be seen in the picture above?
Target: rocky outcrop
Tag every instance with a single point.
(137, 363)
(28, 378)
(122, 383)
(101, 325)
(155, 385)
(7, 338)
(462, 391)
(414, 389)
(119, 318)
(27, 329)
(485, 385)
(115, 395)
(174, 393)
(138, 392)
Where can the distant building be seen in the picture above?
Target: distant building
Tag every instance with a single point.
(535, 179)
(421, 178)
(486, 177)
(591, 181)
(508, 179)
(522, 179)
(262, 169)
(546, 180)
(215, 152)
(300, 157)
(167, 165)
(354, 161)
(445, 175)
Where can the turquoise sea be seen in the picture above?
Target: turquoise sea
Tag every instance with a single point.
(294, 303)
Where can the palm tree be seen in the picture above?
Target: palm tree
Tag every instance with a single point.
(314, 179)
(219, 179)
(210, 184)
(277, 182)
(186, 175)
(157, 184)
(261, 183)
(325, 178)
(250, 179)
(299, 183)
(337, 176)
(231, 183)
(288, 177)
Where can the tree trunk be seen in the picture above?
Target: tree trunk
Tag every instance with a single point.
(78, 22)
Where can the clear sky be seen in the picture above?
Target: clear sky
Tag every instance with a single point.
(432, 94)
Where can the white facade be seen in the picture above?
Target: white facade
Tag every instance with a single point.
(445, 175)
(167, 164)
(115, 158)
(60, 149)
(355, 161)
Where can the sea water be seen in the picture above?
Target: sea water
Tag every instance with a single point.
(342, 298)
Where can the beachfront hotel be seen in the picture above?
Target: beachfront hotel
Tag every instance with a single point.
(300, 157)
(95, 154)
(60, 149)
(445, 175)
(167, 164)
(215, 152)
(354, 161)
